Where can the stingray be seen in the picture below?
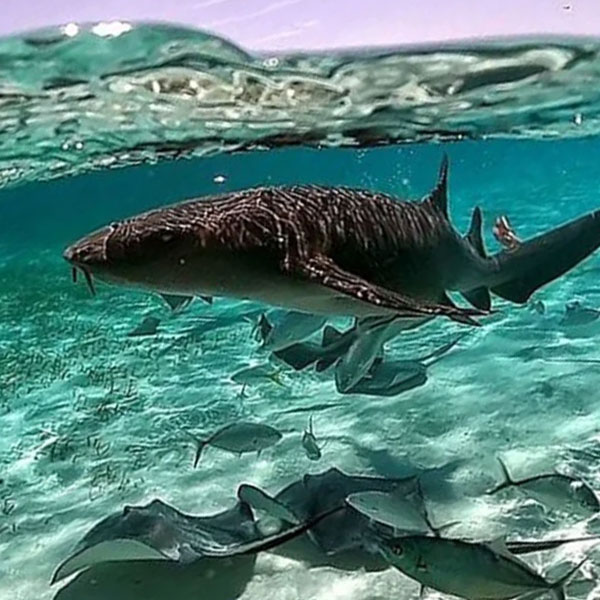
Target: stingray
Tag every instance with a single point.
(158, 531)
(390, 378)
(346, 529)
(299, 355)
(335, 344)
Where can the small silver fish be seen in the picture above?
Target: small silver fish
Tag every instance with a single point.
(363, 352)
(293, 328)
(554, 490)
(309, 442)
(257, 374)
(576, 314)
(537, 306)
(394, 377)
(239, 438)
(474, 571)
(399, 511)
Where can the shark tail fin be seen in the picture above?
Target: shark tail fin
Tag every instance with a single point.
(508, 480)
(438, 197)
(542, 259)
(558, 588)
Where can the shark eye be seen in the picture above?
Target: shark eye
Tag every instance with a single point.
(398, 550)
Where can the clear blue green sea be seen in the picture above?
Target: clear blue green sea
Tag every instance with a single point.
(95, 129)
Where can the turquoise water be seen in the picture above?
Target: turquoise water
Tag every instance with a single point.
(92, 419)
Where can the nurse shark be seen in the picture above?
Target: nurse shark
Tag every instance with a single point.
(330, 251)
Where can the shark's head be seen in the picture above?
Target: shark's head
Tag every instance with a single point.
(145, 251)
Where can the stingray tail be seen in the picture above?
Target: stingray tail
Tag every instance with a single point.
(277, 539)
(536, 262)
(558, 588)
(438, 354)
(437, 530)
(200, 444)
(508, 480)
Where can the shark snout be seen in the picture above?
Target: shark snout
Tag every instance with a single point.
(88, 255)
(89, 251)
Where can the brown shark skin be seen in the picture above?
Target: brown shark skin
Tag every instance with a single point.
(280, 245)
(324, 250)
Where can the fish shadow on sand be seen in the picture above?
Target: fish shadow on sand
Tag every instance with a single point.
(206, 579)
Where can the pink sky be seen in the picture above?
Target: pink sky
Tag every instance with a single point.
(311, 24)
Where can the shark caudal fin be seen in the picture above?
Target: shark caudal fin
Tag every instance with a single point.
(538, 261)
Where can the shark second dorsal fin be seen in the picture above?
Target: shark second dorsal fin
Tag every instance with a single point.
(438, 197)
(474, 235)
(478, 297)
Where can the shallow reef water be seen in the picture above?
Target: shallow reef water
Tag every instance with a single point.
(93, 418)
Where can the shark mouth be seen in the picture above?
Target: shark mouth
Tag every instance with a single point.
(88, 278)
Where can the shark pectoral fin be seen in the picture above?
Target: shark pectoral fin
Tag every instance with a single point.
(463, 316)
(479, 298)
(322, 269)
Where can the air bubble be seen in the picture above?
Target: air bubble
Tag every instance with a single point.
(219, 179)
(70, 29)
(271, 63)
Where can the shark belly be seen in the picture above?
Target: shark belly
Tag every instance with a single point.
(243, 276)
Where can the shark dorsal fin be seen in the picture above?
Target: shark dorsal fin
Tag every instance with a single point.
(438, 197)
(474, 235)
